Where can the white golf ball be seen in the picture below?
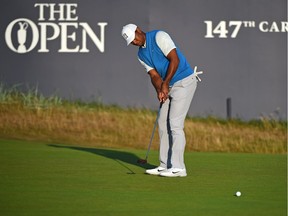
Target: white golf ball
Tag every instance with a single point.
(238, 193)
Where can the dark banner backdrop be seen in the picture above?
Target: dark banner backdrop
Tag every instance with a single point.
(75, 49)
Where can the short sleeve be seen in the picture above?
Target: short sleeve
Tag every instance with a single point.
(164, 42)
(147, 67)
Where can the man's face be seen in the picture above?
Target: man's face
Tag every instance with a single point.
(139, 39)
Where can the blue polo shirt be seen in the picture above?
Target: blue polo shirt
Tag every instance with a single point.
(153, 56)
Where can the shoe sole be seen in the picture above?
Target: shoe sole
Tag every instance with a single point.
(152, 173)
(182, 175)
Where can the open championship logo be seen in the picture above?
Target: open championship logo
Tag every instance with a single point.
(65, 12)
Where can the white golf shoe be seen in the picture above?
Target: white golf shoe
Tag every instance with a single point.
(174, 172)
(155, 171)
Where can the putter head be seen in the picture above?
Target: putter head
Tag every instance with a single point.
(142, 161)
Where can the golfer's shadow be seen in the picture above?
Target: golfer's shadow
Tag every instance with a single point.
(120, 157)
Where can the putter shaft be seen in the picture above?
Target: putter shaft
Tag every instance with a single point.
(153, 132)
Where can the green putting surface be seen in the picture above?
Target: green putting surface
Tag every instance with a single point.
(55, 179)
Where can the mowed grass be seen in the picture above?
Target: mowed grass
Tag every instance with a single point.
(55, 179)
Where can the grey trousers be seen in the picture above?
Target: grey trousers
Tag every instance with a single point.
(171, 123)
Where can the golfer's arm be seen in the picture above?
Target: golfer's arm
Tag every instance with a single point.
(156, 80)
(173, 65)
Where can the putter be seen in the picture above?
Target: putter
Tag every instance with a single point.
(144, 161)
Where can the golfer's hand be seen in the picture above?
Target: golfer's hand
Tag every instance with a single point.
(161, 97)
(164, 92)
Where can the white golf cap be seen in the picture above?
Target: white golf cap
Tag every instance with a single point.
(128, 33)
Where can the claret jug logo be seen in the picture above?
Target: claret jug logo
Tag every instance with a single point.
(55, 22)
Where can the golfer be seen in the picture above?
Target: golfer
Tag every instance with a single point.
(175, 83)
